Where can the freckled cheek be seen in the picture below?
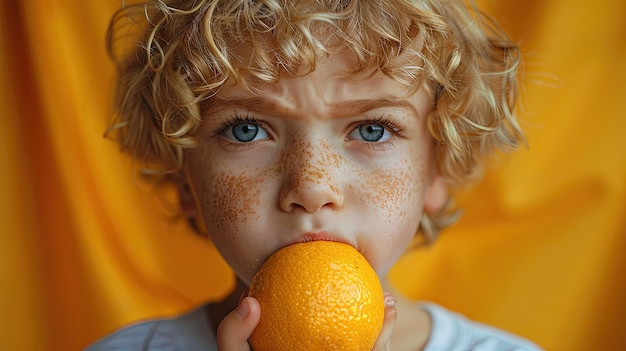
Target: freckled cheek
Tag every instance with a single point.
(233, 202)
(392, 197)
(230, 201)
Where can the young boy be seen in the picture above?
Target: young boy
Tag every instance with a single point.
(290, 121)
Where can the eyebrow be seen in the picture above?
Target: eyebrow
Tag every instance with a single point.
(258, 104)
(353, 107)
(344, 108)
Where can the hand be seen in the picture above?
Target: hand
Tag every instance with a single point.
(235, 329)
(384, 338)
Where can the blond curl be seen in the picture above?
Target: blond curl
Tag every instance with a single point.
(173, 56)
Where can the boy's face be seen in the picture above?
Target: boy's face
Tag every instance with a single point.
(318, 157)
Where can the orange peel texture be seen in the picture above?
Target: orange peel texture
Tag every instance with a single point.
(318, 295)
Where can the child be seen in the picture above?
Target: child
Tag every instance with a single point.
(289, 121)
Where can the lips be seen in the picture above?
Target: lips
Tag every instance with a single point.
(321, 236)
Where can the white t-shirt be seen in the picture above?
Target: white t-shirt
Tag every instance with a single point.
(452, 331)
(193, 332)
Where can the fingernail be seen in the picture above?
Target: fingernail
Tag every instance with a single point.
(243, 309)
(390, 300)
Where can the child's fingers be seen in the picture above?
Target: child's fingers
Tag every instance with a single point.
(235, 329)
(384, 338)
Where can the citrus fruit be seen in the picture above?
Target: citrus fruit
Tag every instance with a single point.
(318, 295)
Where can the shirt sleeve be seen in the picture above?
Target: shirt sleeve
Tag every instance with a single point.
(453, 332)
(189, 332)
(135, 337)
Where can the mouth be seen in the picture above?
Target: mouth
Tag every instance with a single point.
(321, 236)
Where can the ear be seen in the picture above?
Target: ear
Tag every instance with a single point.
(436, 195)
(187, 201)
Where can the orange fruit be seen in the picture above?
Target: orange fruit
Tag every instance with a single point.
(318, 295)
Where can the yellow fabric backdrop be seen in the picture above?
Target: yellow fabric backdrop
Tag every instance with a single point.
(85, 247)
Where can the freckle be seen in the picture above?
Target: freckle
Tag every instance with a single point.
(236, 200)
(307, 163)
(390, 189)
(317, 174)
(335, 189)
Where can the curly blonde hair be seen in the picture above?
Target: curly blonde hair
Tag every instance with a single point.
(173, 56)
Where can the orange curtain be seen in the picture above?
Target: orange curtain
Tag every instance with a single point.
(85, 247)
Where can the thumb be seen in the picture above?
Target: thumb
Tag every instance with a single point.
(235, 329)
(384, 338)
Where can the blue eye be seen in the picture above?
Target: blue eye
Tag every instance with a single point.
(245, 132)
(371, 133)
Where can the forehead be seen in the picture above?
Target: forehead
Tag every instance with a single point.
(334, 78)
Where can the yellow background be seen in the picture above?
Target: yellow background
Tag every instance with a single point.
(85, 247)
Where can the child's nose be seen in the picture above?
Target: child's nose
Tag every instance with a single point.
(311, 179)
